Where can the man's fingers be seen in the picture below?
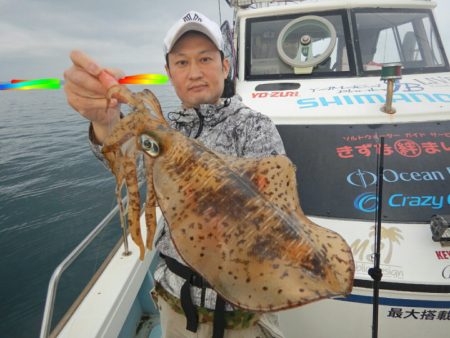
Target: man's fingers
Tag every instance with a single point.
(86, 85)
(83, 84)
(116, 72)
(107, 79)
(85, 62)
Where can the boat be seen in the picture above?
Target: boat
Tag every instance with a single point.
(360, 93)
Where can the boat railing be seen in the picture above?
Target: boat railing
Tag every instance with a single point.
(59, 270)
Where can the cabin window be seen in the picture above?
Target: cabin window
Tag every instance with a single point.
(409, 38)
(267, 36)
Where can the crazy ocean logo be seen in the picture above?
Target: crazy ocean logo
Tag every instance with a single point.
(366, 202)
(434, 202)
(365, 178)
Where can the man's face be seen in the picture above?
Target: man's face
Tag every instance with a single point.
(196, 70)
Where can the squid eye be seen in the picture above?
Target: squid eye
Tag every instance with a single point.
(149, 145)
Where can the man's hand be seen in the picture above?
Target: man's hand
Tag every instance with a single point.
(87, 95)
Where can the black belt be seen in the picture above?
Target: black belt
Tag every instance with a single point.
(190, 311)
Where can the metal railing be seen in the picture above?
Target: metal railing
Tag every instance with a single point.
(54, 280)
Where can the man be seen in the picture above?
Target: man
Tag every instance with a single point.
(197, 69)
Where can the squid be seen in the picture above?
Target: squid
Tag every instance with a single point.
(236, 221)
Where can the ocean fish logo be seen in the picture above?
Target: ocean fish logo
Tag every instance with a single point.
(366, 202)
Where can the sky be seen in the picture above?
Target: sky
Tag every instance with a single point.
(36, 36)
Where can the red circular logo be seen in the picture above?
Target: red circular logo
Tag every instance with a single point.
(407, 148)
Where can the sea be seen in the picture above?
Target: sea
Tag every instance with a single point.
(53, 192)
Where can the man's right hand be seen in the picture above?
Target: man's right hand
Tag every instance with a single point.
(87, 95)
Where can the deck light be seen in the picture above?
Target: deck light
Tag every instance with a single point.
(390, 72)
(440, 228)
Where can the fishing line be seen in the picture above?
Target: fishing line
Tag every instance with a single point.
(375, 272)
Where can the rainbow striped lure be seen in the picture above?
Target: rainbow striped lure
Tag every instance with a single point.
(144, 79)
(31, 84)
(51, 83)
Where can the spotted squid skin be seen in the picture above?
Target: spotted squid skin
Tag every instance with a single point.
(254, 254)
(237, 222)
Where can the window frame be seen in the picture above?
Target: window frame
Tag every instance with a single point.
(261, 77)
(415, 70)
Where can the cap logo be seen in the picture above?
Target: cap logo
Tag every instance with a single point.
(188, 17)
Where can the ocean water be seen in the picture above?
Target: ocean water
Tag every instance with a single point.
(53, 192)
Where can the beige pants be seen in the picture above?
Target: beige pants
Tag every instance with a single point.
(173, 325)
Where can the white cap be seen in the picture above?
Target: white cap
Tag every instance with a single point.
(193, 21)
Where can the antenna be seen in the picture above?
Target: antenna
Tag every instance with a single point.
(220, 13)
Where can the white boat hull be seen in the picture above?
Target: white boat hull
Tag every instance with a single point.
(402, 314)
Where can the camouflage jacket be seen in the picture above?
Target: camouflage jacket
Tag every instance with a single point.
(229, 128)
